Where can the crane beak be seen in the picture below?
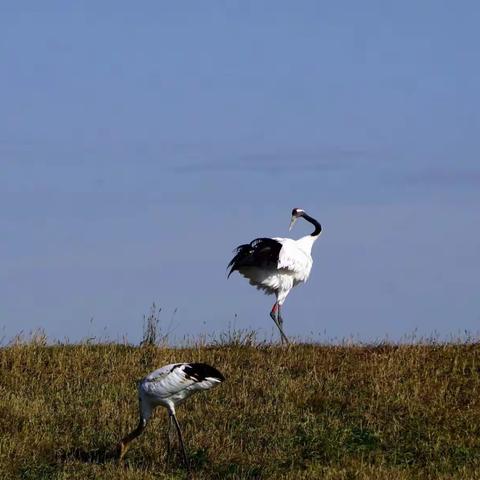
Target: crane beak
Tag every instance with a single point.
(292, 223)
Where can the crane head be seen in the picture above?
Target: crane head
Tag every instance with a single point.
(296, 213)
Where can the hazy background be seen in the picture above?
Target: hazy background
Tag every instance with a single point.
(141, 142)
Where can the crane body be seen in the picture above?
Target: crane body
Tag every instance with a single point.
(276, 265)
(170, 386)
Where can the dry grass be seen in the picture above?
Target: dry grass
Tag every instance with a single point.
(306, 412)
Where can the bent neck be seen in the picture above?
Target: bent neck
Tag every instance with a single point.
(135, 433)
(306, 242)
(318, 227)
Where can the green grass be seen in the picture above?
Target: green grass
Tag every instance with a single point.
(304, 412)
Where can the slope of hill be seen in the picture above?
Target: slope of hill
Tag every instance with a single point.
(304, 412)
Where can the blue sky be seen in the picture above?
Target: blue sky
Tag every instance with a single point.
(139, 144)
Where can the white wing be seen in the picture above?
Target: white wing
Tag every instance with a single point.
(162, 372)
(172, 379)
(167, 381)
(293, 258)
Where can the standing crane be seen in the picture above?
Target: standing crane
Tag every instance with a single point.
(170, 386)
(276, 265)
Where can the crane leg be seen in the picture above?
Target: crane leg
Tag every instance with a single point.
(280, 319)
(181, 442)
(169, 436)
(275, 314)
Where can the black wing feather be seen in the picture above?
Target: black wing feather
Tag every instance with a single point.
(201, 371)
(261, 252)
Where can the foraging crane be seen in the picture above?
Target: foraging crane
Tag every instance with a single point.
(276, 265)
(170, 386)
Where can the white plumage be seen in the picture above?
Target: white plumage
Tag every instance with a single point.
(293, 267)
(170, 386)
(276, 265)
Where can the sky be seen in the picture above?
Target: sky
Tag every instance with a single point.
(141, 142)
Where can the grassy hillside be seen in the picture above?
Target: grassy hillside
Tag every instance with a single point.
(304, 412)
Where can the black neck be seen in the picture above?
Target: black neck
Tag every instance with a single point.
(318, 227)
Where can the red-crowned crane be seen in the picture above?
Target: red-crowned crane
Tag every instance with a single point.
(170, 386)
(276, 265)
